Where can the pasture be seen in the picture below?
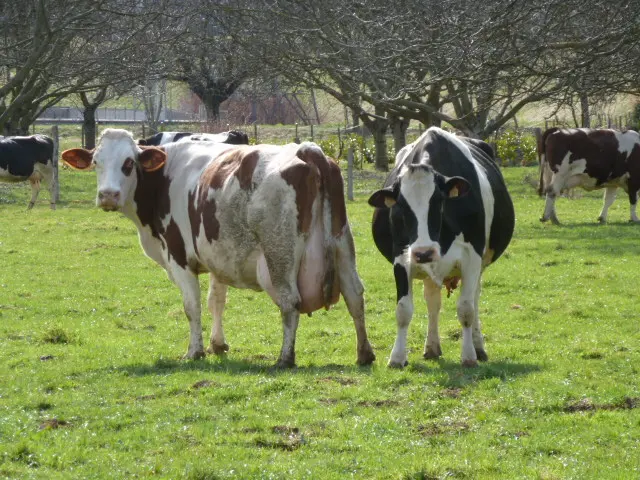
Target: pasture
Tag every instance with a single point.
(92, 384)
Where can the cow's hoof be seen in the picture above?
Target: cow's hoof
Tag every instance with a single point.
(432, 353)
(554, 220)
(365, 357)
(542, 219)
(482, 355)
(218, 349)
(469, 363)
(601, 221)
(400, 365)
(194, 355)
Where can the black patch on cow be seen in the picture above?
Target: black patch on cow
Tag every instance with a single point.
(18, 155)
(127, 167)
(402, 281)
(235, 137)
(152, 199)
(202, 211)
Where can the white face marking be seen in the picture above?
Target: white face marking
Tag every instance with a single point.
(417, 187)
(114, 148)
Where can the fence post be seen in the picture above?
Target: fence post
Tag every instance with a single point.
(296, 138)
(350, 174)
(312, 132)
(255, 132)
(56, 149)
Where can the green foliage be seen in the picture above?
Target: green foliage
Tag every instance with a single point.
(636, 115)
(516, 148)
(557, 398)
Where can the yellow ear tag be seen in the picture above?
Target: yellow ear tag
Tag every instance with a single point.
(453, 192)
(389, 202)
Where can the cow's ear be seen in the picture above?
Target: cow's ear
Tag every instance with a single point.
(152, 159)
(385, 198)
(78, 158)
(455, 187)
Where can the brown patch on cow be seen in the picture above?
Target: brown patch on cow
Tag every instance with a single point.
(304, 180)
(202, 210)
(451, 283)
(240, 162)
(332, 186)
(175, 243)
(127, 167)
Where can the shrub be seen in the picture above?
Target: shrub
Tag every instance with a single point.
(516, 148)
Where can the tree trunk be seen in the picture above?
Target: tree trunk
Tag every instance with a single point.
(399, 128)
(584, 107)
(89, 126)
(378, 128)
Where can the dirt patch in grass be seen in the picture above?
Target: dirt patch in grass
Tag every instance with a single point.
(203, 384)
(53, 423)
(340, 380)
(378, 403)
(587, 405)
(293, 439)
(443, 428)
(452, 392)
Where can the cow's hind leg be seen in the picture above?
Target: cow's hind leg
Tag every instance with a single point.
(432, 295)
(478, 338)
(608, 198)
(352, 290)
(34, 180)
(550, 209)
(467, 307)
(190, 288)
(216, 300)
(633, 201)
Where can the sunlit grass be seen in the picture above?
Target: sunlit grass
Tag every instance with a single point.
(92, 385)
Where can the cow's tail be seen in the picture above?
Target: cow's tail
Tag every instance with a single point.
(542, 142)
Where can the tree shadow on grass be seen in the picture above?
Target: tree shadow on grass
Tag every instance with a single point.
(457, 376)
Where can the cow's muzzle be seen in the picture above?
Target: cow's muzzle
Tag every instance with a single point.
(109, 200)
(424, 254)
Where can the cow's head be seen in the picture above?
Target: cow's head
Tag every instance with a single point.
(415, 202)
(116, 159)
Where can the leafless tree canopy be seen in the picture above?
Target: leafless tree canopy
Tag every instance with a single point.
(473, 64)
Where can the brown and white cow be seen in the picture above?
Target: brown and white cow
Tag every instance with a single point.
(263, 217)
(591, 159)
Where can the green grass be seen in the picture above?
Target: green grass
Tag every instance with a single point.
(92, 385)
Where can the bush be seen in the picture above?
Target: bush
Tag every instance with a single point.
(517, 148)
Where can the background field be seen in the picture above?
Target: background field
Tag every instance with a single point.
(92, 385)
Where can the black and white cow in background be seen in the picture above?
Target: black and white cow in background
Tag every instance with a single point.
(29, 158)
(591, 159)
(443, 215)
(233, 137)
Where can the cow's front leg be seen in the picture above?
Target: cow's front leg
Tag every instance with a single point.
(190, 288)
(432, 295)
(467, 307)
(550, 209)
(404, 312)
(216, 301)
(608, 198)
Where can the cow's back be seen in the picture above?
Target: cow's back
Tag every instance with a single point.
(18, 155)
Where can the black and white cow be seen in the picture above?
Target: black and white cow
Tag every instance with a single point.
(29, 158)
(591, 159)
(443, 215)
(262, 217)
(233, 137)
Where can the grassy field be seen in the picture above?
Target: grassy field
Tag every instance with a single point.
(92, 385)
